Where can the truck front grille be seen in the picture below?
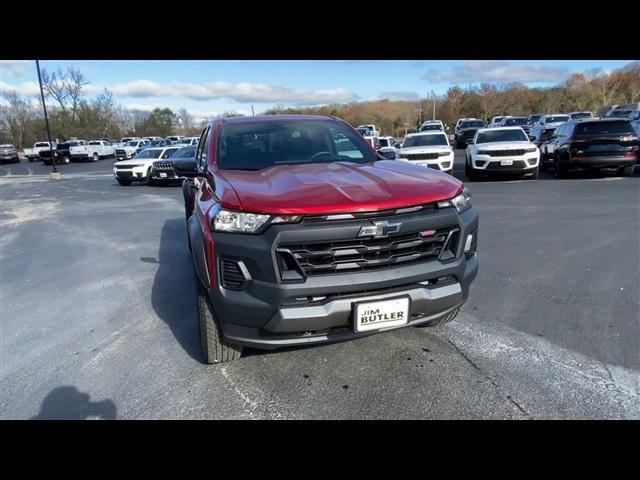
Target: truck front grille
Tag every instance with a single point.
(497, 166)
(503, 153)
(426, 156)
(356, 255)
(166, 167)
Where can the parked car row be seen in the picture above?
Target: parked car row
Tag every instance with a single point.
(94, 150)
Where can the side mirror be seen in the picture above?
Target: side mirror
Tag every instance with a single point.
(187, 169)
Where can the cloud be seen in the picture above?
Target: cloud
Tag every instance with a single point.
(143, 107)
(14, 68)
(26, 89)
(32, 89)
(409, 96)
(499, 71)
(241, 92)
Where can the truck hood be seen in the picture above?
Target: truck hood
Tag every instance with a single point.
(425, 149)
(339, 187)
(136, 161)
(504, 145)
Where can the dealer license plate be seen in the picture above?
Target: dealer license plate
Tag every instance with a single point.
(381, 314)
(506, 163)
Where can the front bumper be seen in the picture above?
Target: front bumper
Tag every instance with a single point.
(444, 163)
(138, 173)
(602, 162)
(270, 313)
(124, 156)
(496, 165)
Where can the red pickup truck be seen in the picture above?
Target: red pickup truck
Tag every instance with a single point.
(301, 233)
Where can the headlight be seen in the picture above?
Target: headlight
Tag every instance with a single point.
(530, 150)
(243, 222)
(462, 202)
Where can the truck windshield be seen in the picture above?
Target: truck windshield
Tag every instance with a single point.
(556, 119)
(262, 144)
(132, 144)
(581, 115)
(472, 124)
(147, 153)
(425, 141)
(431, 126)
(516, 121)
(604, 128)
(511, 135)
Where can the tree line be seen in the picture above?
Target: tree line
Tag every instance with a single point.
(593, 90)
(72, 114)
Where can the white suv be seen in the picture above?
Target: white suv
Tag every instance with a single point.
(553, 120)
(501, 150)
(139, 168)
(428, 149)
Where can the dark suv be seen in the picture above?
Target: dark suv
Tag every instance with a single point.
(301, 233)
(467, 130)
(609, 143)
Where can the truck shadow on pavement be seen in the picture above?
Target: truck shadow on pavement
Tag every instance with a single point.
(67, 403)
(173, 293)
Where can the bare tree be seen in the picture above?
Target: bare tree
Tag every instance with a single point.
(105, 106)
(16, 117)
(186, 120)
(65, 87)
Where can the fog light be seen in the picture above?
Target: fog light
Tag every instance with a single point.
(445, 165)
(480, 163)
(532, 161)
(467, 244)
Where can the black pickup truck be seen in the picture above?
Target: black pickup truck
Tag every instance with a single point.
(60, 152)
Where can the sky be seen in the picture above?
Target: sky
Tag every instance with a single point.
(209, 88)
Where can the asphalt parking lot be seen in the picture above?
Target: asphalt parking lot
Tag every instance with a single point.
(98, 313)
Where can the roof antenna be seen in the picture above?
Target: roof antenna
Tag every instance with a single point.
(252, 112)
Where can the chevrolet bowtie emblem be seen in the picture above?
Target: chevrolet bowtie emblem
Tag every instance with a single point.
(379, 229)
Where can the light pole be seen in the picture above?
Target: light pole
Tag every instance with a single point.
(434, 104)
(46, 121)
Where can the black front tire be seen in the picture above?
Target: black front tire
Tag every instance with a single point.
(30, 160)
(148, 180)
(471, 173)
(559, 170)
(534, 176)
(449, 317)
(213, 345)
(95, 157)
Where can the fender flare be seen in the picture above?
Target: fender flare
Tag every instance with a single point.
(198, 251)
